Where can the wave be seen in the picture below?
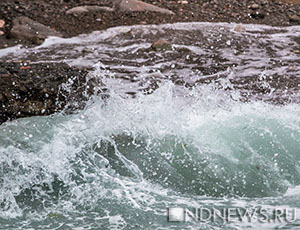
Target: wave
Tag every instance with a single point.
(140, 155)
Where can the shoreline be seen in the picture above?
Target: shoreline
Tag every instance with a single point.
(54, 14)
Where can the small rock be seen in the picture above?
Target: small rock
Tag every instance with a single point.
(294, 18)
(25, 28)
(25, 67)
(37, 40)
(86, 51)
(183, 50)
(239, 29)
(2, 23)
(235, 15)
(183, 2)
(296, 51)
(161, 45)
(1, 33)
(264, 2)
(254, 6)
(258, 15)
(135, 5)
(84, 9)
(77, 10)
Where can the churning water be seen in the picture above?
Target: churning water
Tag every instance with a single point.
(218, 128)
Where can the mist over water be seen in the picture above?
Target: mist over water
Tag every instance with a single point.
(122, 161)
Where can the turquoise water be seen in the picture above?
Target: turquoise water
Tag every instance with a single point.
(127, 161)
(121, 163)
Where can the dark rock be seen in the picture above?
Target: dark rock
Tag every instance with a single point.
(27, 29)
(183, 50)
(84, 9)
(43, 89)
(258, 15)
(135, 5)
(294, 18)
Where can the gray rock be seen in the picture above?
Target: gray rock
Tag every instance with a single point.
(135, 5)
(27, 29)
(258, 15)
(84, 9)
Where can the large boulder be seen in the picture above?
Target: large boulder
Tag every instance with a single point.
(85, 9)
(135, 5)
(27, 29)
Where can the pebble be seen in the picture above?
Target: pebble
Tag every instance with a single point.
(296, 51)
(25, 67)
(1, 33)
(254, 6)
(2, 23)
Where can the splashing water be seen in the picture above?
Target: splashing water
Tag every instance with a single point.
(121, 162)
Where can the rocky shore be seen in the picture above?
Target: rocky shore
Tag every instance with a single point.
(42, 89)
(73, 17)
(38, 89)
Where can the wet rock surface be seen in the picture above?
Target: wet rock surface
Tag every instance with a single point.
(42, 89)
(259, 62)
(203, 60)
